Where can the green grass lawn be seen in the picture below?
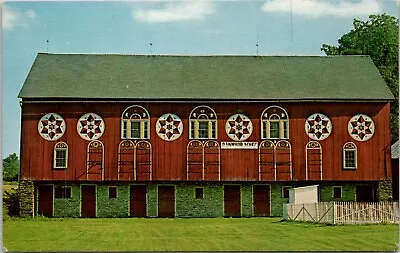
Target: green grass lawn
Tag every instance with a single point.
(246, 234)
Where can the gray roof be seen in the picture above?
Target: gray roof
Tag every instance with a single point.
(395, 150)
(167, 77)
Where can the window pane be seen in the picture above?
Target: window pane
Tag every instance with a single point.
(203, 129)
(213, 129)
(199, 193)
(124, 129)
(61, 158)
(285, 130)
(337, 192)
(264, 130)
(274, 129)
(135, 129)
(285, 192)
(112, 192)
(350, 161)
(58, 192)
(62, 192)
(146, 129)
(192, 126)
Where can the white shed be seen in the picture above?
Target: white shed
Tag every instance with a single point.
(304, 195)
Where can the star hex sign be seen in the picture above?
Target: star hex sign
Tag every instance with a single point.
(318, 126)
(90, 126)
(169, 127)
(239, 127)
(51, 126)
(361, 127)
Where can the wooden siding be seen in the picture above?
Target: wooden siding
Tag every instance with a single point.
(169, 158)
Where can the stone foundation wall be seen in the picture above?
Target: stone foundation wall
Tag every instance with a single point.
(114, 207)
(188, 206)
(186, 203)
(152, 200)
(385, 190)
(26, 198)
(326, 192)
(277, 199)
(68, 207)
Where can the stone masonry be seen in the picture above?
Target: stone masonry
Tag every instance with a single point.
(26, 198)
(385, 190)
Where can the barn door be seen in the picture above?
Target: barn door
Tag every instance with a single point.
(138, 201)
(261, 203)
(232, 201)
(45, 202)
(166, 201)
(88, 204)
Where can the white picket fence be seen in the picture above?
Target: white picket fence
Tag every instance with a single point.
(343, 212)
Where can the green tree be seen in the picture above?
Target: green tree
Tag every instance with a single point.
(377, 37)
(11, 168)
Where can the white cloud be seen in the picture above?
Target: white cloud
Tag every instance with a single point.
(13, 18)
(175, 11)
(318, 8)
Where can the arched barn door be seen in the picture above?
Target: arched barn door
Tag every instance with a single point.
(266, 166)
(95, 161)
(313, 161)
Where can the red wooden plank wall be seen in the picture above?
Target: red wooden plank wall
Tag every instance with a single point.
(169, 157)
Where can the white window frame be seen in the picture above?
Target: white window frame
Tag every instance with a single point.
(196, 125)
(265, 131)
(347, 148)
(144, 133)
(60, 146)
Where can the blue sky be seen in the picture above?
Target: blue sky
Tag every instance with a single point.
(281, 27)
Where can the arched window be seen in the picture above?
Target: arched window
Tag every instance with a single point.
(135, 121)
(202, 123)
(283, 160)
(143, 159)
(274, 123)
(313, 161)
(60, 160)
(266, 165)
(350, 156)
(126, 163)
(211, 160)
(95, 161)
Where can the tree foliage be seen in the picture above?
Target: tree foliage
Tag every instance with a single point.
(11, 168)
(377, 37)
(10, 203)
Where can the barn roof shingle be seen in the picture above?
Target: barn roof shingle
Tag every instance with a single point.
(158, 77)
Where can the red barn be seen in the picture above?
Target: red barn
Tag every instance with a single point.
(200, 136)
